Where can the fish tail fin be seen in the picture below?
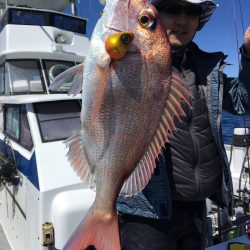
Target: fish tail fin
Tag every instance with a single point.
(98, 230)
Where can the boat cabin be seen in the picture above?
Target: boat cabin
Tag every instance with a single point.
(42, 199)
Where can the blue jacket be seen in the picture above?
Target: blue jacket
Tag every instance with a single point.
(222, 92)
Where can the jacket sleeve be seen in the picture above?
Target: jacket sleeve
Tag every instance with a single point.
(236, 97)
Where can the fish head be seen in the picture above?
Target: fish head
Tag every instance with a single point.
(142, 19)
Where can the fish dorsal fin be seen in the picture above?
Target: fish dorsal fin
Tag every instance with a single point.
(74, 73)
(77, 159)
(144, 170)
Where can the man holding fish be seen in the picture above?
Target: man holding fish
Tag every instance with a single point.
(194, 165)
(151, 138)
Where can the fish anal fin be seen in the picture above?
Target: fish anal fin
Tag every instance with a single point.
(77, 158)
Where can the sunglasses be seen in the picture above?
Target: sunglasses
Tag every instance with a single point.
(176, 9)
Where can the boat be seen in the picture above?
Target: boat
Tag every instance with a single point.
(221, 228)
(41, 198)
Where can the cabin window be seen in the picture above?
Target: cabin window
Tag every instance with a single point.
(58, 120)
(25, 76)
(29, 17)
(16, 125)
(20, 16)
(12, 117)
(2, 79)
(54, 68)
(70, 23)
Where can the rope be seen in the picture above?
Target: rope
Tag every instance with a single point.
(236, 30)
(241, 17)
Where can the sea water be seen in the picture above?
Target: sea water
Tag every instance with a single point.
(229, 122)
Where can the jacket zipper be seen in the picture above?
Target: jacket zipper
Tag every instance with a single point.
(196, 155)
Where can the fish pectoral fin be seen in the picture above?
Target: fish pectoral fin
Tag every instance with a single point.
(78, 160)
(144, 170)
(71, 78)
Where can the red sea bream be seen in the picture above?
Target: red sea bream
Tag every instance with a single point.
(128, 106)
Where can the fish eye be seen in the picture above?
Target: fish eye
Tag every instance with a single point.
(146, 20)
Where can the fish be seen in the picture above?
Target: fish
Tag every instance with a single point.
(130, 99)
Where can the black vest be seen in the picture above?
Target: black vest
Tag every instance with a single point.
(192, 152)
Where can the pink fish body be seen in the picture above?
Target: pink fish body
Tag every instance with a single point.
(128, 107)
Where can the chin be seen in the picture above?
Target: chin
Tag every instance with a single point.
(178, 45)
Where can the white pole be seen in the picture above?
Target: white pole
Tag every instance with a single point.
(73, 8)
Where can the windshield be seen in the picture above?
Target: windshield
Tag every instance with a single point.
(53, 68)
(24, 76)
(58, 120)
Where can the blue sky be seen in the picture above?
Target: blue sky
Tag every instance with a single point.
(219, 34)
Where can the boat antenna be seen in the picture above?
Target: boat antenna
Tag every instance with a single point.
(241, 16)
(73, 7)
(236, 30)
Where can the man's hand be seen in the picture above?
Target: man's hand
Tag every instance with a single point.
(247, 41)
